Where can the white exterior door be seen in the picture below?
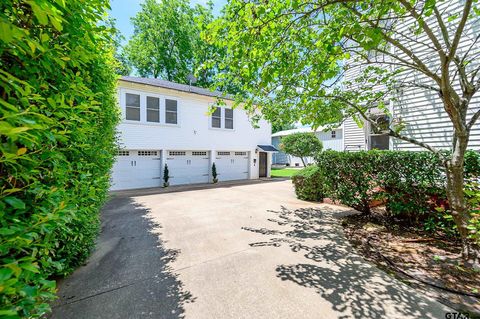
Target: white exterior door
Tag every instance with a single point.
(188, 167)
(136, 169)
(231, 165)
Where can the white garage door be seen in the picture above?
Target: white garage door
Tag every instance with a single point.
(188, 167)
(231, 165)
(136, 169)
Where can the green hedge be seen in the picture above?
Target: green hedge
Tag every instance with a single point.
(57, 124)
(410, 183)
(308, 184)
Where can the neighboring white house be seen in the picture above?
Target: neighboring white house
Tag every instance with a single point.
(166, 123)
(421, 110)
(331, 140)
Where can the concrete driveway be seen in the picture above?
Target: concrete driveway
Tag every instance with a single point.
(245, 251)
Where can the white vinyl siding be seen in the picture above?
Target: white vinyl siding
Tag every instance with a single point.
(422, 110)
(353, 136)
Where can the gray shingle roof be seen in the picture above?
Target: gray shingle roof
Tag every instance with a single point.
(176, 86)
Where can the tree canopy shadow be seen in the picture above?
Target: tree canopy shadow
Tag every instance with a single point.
(129, 273)
(355, 288)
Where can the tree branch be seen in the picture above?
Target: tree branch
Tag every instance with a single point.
(461, 26)
(473, 120)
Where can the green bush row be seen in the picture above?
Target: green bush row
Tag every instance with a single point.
(309, 184)
(412, 184)
(57, 124)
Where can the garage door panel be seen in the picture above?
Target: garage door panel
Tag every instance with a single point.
(136, 169)
(231, 165)
(188, 167)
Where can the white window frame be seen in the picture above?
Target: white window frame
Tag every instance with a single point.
(124, 106)
(221, 117)
(159, 109)
(333, 134)
(143, 107)
(225, 118)
(222, 120)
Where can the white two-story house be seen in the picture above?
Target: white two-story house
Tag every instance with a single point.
(169, 124)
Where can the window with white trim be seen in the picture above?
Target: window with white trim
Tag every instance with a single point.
(223, 153)
(197, 153)
(153, 109)
(229, 119)
(240, 153)
(171, 116)
(217, 118)
(132, 107)
(123, 153)
(334, 134)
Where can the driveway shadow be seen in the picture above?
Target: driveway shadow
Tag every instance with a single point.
(128, 275)
(354, 288)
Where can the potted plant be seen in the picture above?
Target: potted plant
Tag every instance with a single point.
(214, 173)
(166, 176)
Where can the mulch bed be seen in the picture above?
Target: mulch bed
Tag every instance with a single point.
(430, 263)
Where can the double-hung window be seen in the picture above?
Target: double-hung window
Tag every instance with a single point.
(171, 111)
(228, 118)
(217, 118)
(153, 109)
(132, 107)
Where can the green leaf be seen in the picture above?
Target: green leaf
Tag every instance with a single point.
(30, 267)
(15, 202)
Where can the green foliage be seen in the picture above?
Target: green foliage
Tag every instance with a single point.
(301, 145)
(57, 124)
(309, 184)
(277, 127)
(411, 184)
(166, 176)
(348, 178)
(167, 42)
(472, 193)
(472, 163)
(214, 173)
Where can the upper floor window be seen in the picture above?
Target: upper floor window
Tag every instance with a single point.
(153, 109)
(217, 118)
(334, 134)
(227, 115)
(229, 118)
(149, 108)
(132, 107)
(170, 111)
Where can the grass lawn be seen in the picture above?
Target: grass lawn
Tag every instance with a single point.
(283, 172)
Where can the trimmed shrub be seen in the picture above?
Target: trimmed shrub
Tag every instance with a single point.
(348, 178)
(308, 184)
(301, 145)
(411, 184)
(57, 125)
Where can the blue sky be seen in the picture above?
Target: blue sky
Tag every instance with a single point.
(123, 10)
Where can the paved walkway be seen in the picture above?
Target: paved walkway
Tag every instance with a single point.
(241, 251)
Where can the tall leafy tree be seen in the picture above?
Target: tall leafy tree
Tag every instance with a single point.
(291, 55)
(161, 45)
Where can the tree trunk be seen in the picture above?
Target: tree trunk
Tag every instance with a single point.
(458, 204)
(303, 161)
